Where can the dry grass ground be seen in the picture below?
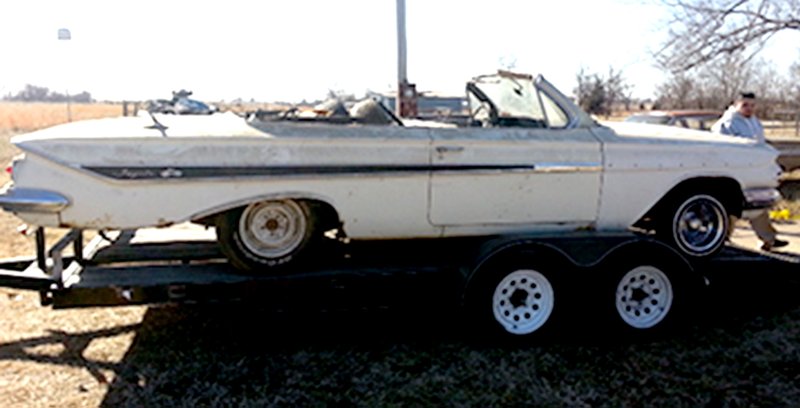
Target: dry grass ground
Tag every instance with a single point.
(50, 372)
(25, 117)
(741, 349)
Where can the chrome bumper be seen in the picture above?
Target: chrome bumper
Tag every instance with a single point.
(760, 198)
(32, 201)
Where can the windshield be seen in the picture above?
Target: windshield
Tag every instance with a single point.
(512, 97)
(513, 100)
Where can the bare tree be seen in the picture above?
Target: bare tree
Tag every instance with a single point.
(703, 30)
(33, 93)
(794, 84)
(715, 85)
(770, 86)
(599, 94)
(679, 91)
(711, 86)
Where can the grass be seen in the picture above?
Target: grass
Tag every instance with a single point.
(17, 117)
(742, 348)
(240, 355)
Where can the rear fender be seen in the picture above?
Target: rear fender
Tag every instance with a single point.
(207, 217)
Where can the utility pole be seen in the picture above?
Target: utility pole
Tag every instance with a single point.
(65, 35)
(406, 101)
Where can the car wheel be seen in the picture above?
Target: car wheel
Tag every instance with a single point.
(513, 300)
(697, 225)
(267, 234)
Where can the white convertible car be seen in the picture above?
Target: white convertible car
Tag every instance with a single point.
(527, 160)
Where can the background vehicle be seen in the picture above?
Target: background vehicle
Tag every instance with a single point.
(690, 119)
(788, 160)
(180, 104)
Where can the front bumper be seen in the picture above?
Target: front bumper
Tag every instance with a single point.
(24, 200)
(760, 198)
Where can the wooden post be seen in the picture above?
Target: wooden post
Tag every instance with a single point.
(406, 101)
(124, 108)
(402, 74)
(797, 123)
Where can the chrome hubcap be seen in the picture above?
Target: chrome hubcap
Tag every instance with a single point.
(700, 224)
(523, 301)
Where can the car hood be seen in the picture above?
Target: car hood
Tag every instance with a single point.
(672, 133)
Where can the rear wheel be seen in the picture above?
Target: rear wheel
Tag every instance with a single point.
(696, 224)
(267, 234)
(523, 301)
(646, 289)
(514, 299)
(644, 297)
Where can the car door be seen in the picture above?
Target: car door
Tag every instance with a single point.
(546, 177)
(510, 176)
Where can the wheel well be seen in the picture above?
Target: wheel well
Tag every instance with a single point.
(643, 252)
(329, 217)
(498, 254)
(726, 190)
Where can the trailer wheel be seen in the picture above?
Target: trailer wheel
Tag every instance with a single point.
(513, 299)
(647, 289)
(267, 234)
(523, 301)
(644, 297)
(696, 224)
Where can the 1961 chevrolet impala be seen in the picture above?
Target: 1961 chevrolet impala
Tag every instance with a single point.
(527, 160)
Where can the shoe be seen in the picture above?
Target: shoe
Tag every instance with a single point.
(774, 244)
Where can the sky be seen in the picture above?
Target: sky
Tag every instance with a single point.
(293, 50)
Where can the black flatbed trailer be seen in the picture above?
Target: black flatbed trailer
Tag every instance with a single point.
(186, 266)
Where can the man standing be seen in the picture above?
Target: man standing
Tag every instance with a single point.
(740, 120)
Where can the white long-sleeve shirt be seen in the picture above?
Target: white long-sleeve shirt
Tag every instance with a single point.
(735, 124)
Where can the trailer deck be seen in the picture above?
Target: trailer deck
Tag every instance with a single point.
(184, 264)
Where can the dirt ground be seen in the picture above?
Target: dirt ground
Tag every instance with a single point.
(741, 347)
(39, 362)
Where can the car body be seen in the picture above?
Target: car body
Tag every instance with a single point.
(529, 161)
(788, 159)
(690, 119)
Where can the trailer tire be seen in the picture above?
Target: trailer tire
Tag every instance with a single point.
(266, 236)
(514, 298)
(647, 290)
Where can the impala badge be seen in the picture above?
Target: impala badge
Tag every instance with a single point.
(171, 173)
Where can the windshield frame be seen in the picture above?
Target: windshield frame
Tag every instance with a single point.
(575, 116)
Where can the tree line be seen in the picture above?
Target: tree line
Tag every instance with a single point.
(715, 84)
(711, 54)
(33, 93)
(712, 85)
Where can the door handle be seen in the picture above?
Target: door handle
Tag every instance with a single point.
(449, 149)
